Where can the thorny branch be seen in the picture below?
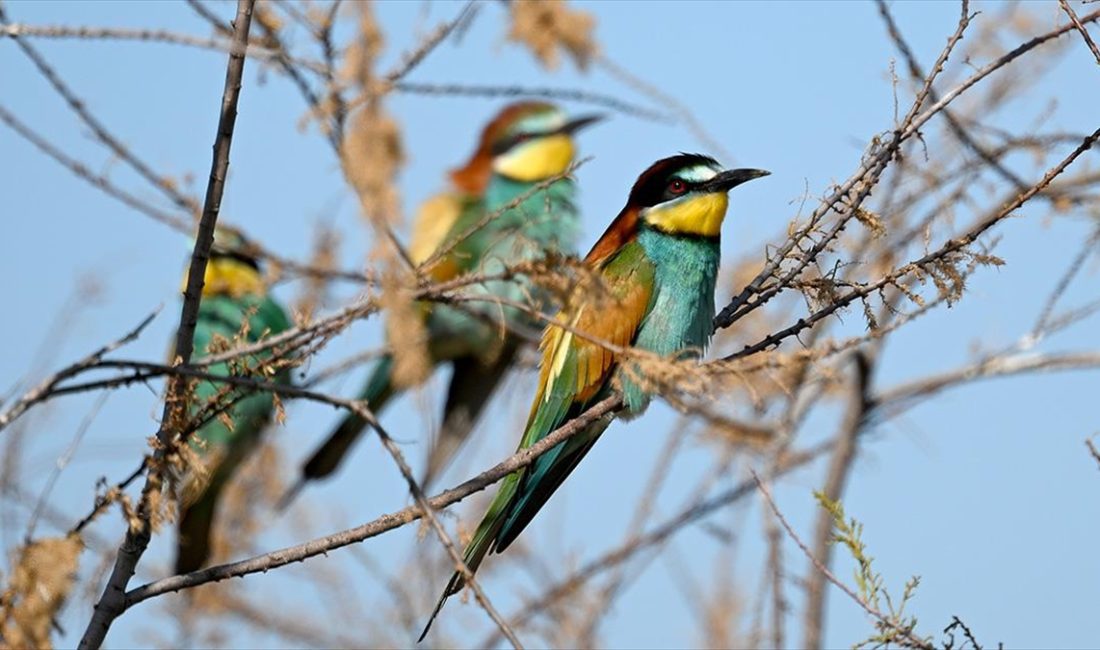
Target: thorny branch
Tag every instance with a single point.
(849, 196)
(950, 247)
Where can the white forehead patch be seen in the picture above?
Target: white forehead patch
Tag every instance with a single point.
(698, 174)
(541, 122)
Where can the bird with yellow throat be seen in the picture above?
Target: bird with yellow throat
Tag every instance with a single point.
(236, 310)
(655, 269)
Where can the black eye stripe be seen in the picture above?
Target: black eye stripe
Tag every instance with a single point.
(512, 140)
(652, 187)
(239, 257)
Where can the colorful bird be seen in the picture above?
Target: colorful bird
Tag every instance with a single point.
(654, 270)
(526, 144)
(235, 310)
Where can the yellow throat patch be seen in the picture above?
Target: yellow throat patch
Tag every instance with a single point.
(229, 277)
(536, 160)
(699, 215)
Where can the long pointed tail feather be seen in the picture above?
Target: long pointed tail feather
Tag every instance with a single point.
(484, 540)
(327, 458)
(478, 548)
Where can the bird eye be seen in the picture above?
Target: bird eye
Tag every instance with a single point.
(677, 186)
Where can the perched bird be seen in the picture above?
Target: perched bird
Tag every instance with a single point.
(526, 144)
(235, 310)
(653, 288)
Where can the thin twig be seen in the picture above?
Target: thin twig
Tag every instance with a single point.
(953, 122)
(98, 129)
(1088, 248)
(98, 180)
(867, 607)
(676, 106)
(893, 401)
(429, 513)
(210, 17)
(177, 223)
(949, 247)
(677, 523)
(254, 50)
(566, 94)
(62, 462)
(858, 187)
(1093, 450)
(1081, 28)
(411, 59)
(39, 392)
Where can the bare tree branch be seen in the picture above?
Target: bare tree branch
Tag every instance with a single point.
(39, 392)
(101, 133)
(254, 50)
(1081, 28)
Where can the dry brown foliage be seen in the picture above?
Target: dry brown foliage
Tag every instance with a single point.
(550, 26)
(43, 575)
(406, 333)
(372, 153)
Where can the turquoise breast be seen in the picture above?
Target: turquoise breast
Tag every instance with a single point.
(679, 320)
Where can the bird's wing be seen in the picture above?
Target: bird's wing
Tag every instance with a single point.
(575, 371)
(434, 220)
(575, 366)
(441, 219)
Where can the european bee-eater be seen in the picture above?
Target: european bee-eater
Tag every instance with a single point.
(235, 310)
(655, 269)
(523, 146)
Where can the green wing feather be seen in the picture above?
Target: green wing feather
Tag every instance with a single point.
(575, 373)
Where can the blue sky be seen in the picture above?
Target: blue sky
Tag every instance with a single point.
(987, 492)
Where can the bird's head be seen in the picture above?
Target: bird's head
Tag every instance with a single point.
(234, 265)
(686, 194)
(527, 141)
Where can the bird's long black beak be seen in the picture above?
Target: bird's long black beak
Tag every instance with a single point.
(576, 124)
(731, 178)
